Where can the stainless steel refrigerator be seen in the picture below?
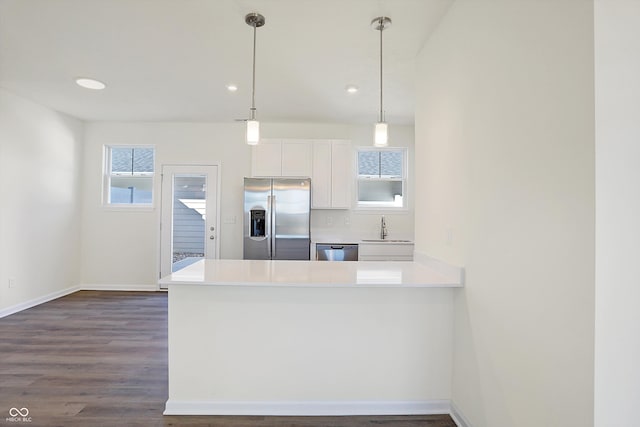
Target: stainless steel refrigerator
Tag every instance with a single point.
(276, 218)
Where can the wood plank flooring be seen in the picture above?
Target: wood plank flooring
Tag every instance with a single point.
(100, 359)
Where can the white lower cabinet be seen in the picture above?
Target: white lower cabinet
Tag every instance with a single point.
(385, 251)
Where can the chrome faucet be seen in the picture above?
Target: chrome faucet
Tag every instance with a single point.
(383, 229)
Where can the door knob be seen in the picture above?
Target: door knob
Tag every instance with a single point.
(212, 237)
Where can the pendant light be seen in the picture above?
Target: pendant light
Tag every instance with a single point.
(381, 131)
(254, 20)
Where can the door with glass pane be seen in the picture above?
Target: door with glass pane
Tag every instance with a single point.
(189, 216)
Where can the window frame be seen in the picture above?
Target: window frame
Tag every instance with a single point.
(107, 175)
(377, 207)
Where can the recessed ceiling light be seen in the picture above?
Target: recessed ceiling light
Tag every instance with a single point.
(232, 87)
(351, 88)
(90, 83)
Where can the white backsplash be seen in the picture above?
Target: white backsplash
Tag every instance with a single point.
(359, 224)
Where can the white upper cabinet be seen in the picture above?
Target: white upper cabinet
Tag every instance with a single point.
(275, 157)
(341, 174)
(329, 163)
(296, 158)
(266, 158)
(321, 177)
(332, 175)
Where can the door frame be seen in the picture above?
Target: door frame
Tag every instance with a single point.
(217, 210)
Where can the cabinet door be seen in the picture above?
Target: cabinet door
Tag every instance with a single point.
(296, 158)
(385, 252)
(321, 177)
(266, 158)
(341, 174)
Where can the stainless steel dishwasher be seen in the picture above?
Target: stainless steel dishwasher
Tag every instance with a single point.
(336, 252)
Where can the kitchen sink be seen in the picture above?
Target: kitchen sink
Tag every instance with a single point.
(387, 240)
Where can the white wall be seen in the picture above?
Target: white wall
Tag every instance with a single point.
(505, 131)
(617, 342)
(40, 158)
(122, 248)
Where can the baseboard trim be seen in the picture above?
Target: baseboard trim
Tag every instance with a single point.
(458, 417)
(37, 301)
(442, 267)
(118, 287)
(306, 408)
(86, 287)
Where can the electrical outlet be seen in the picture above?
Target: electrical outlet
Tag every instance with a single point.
(329, 220)
(12, 282)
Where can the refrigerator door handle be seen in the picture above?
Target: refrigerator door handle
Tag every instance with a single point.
(268, 227)
(272, 255)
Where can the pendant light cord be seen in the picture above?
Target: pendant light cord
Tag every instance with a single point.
(253, 89)
(381, 28)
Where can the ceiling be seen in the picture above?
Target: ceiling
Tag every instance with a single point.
(170, 60)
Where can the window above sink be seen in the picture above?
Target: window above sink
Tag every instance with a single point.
(381, 178)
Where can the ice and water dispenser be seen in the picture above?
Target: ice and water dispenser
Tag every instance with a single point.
(258, 223)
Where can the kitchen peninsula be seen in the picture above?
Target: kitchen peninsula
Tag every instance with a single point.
(250, 337)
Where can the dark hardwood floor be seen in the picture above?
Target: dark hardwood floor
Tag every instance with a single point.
(100, 359)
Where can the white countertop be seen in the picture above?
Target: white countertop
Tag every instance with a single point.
(359, 238)
(398, 274)
(363, 242)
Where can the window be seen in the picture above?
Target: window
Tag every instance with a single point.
(128, 177)
(381, 181)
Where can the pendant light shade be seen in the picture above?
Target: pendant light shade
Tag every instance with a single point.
(254, 20)
(381, 135)
(253, 132)
(381, 130)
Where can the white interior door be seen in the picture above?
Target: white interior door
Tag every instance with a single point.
(189, 216)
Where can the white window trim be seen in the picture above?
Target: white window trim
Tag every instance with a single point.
(106, 180)
(362, 207)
